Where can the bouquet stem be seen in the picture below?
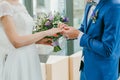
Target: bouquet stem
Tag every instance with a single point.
(56, 46)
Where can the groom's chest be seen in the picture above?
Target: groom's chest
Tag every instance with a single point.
(94, 26)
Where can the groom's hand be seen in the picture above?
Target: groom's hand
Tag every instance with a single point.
(71, 32)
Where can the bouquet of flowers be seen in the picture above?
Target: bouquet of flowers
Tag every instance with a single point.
(47, 21)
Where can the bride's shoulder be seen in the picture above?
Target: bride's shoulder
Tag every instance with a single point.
(4, 4)
(5, 9)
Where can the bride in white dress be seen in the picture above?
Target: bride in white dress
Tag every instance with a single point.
(17, 42)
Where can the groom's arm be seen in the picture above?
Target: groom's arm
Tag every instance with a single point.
(110, 36)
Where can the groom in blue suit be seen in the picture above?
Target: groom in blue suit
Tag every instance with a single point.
(100, 39)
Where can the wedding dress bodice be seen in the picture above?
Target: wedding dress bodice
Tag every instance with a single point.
(21, 19)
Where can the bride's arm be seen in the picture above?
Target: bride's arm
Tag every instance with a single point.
(19, 41)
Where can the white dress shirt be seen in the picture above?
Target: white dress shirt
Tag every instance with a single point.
(89, 15)
(97, 1)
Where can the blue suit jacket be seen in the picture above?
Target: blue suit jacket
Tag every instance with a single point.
(101, 42)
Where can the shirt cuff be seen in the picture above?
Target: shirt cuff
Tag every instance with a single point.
(79, 36)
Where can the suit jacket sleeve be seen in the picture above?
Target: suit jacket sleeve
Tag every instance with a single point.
(110, 37)
(81, 28)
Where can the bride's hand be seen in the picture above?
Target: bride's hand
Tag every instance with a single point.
(53, 31)
(62, 25)
(45, 41)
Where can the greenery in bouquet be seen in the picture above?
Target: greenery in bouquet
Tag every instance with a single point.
(47, 21)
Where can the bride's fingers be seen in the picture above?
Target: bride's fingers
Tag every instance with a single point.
(56, 30)
(66, 28)
(62, 25)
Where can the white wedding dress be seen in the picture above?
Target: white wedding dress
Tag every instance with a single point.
(21, 63)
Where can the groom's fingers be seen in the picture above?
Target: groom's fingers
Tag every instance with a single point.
(65, 32)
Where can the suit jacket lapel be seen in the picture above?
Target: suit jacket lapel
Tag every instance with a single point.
(86, 15)
(98, 7)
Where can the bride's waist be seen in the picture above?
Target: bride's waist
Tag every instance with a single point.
(7, 49)
(31, 46)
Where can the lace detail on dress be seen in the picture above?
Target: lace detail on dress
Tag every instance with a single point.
(5, 9)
